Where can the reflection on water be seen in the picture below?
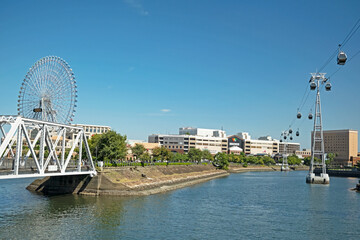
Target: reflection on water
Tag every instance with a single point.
(261, 205)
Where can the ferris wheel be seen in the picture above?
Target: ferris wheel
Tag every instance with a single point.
(48, 91)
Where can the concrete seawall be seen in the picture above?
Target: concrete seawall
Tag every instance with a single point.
(128, 181)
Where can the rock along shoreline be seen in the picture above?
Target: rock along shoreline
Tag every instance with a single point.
(136, 181)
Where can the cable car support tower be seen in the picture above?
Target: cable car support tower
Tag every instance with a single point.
(285, 165)
(317, 143)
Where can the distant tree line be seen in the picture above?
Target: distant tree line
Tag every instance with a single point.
(111, 147)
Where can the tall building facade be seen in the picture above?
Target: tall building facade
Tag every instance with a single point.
(291, 148)
(344, 143)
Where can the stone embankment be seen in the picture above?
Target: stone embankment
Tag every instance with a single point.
(129, 181)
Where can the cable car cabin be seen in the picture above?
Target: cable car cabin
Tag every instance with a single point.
(291, 138)
(328, 86)
(312, 86)
(37, 110)
(297, 133)
(298, 115)
(290, 131)
(341, 58)
(310, 116)
(280, 140)
(284, 137)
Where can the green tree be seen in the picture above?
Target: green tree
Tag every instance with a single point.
(268, 160)
(259, 160)
(242, 157)
(207, 155)
(330, 158)
(294, 160)
(195, 155)
(221, 160)
(109, 146)
(232, 157)
(251, 159)
(145, 157)
(307, 160)
(178, 157)
(138, 150)
(93, 143)
(161, 153)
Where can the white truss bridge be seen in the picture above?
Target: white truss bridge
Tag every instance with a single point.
(34, 148)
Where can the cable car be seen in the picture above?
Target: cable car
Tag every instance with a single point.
(291, 138)
(280, 140)
(290, 130)
(310, 116)
(312, 86)
(297, 133)
(284, 137)
(328, 86)
(341, 58)
(298, 115)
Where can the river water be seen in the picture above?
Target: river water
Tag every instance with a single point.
(253, 205)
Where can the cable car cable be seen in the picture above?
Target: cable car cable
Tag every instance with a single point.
(351, 33)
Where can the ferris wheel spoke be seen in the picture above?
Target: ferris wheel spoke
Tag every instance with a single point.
(59, 89)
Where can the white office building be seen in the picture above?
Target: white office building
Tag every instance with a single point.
(204, 139)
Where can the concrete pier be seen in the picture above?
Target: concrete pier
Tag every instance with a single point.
(311, 178)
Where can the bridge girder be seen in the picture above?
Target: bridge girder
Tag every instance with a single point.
(42, 155)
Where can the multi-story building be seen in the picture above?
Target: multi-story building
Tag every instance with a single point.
(344, 143)
(291, 147)
(304, 153)
(204, 139)
(258, 147)
(91, 130)
(263, 145)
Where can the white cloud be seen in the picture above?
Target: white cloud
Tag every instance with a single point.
(137, 6)
(165, 110)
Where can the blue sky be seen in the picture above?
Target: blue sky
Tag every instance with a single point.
(236, 65)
